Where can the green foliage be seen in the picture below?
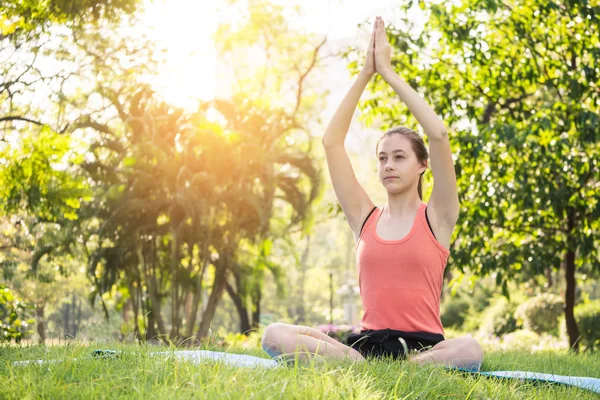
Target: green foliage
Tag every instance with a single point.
(14, 324)
(237, 340)
(35, 177)
(467, 299)
(184, 202)
(541, 313)
(588, 319)
(480, 295)
(25, 16)
(515, 84)
(499, 319)
(523, 339)
(454, 311)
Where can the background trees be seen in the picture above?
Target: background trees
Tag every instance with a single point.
(164, 209)
(517, 85)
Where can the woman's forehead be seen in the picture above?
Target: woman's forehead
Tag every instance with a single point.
(394, 142)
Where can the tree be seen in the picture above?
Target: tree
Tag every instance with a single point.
(271, 73)
(24, 19)
(516, 85)
(13, 325)
(26, 31)
(163, 199)
(42, 198)
(39, 185)
(175, 194)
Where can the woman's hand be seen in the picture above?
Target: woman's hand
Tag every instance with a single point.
(369, 67)
(382, 50)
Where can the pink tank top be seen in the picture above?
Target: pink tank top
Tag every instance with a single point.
(401, 280)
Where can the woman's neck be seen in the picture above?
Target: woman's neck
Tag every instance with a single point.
(401, 205)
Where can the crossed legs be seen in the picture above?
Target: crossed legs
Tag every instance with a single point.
(463, 352)
(285, 339)
(280, 338)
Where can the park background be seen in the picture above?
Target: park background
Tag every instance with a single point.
(162, 178)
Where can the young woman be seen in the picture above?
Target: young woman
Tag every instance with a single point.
(402, 246)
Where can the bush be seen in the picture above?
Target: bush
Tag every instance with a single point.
(588, 320)
(13, 325)
(521, 339)
(540, 314)
(454, 310)
(500, 318)
(480, 297)
(237, 340)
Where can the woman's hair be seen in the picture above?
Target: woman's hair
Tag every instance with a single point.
(417, 144)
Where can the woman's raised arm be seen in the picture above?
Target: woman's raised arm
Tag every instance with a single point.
(355, 202)
(443, 204)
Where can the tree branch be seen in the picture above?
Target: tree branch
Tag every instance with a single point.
(303, 76)
(18, 118)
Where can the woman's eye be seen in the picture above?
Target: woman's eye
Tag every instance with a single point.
(399, 157)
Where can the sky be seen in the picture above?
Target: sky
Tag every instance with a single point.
(184, 28)
(189, 73)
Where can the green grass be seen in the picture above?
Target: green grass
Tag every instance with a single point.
(136, 374)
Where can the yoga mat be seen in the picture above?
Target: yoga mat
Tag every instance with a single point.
(583, 382)
(195, 356)
(241, 360)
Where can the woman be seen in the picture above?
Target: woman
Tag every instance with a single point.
(402, 246)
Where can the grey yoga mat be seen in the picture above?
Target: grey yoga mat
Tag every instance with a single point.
(583, 382)
(242, 360)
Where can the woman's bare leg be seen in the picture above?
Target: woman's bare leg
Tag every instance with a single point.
(286, 339)
(464, 352)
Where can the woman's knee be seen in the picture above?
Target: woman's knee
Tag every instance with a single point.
(273, 339)
(476, 349)
(272, 332)
(473, 352)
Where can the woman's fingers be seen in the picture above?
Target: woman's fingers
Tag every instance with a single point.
(372, 42)
(381, 37)
(375, 34)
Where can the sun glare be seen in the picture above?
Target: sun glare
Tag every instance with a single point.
(184, 28)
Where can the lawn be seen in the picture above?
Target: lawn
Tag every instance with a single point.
(137, 374)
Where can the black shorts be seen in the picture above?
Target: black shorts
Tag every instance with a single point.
(384, 342)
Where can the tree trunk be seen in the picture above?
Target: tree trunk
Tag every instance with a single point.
(185, 298)
(66, 312)
(134, 307)
(125, 316)
(256, 310)
(187, 311)
(150, 276)
(215, 296)
(198, 292)
(301, 317)
(174, 282)
(242, 310)
(549, 276)
(39, 316)
(572, 328)
(151, 333)
(76, 317)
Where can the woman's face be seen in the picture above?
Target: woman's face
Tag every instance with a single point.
(397, 164)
